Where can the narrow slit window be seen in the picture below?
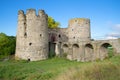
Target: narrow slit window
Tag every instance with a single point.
(30, 44)
(59, 36)
(40, 35)
(24, 23)
(25, 35)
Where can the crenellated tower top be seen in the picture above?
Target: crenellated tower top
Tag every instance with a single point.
(31, 14)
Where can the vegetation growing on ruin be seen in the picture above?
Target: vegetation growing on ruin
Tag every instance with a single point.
(52, 23)
(61, 69)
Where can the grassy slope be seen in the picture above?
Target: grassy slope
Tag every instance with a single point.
(61, 69)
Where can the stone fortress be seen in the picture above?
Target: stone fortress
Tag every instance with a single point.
(35, 41)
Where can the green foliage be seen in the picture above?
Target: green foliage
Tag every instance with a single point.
(110, 52)
(52, 23)
(7, 45)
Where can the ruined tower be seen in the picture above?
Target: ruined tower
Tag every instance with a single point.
(79, 30)
(32, 35)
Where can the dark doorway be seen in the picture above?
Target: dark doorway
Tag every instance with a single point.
(51, 49)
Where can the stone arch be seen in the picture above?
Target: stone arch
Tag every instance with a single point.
(65, 49)
(89, 52)
(105, 50)
(75, 52)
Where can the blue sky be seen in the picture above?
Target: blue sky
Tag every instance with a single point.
(104, 14)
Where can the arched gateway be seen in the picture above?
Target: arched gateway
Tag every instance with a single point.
(106, 50)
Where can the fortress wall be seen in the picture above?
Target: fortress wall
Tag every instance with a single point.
(60, 34)
(90, 50)
(56, 37)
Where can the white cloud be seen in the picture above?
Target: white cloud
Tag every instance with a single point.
(110, 37)
(114, 35)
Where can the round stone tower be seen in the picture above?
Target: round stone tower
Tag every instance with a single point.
(79, 30)
(32, 35)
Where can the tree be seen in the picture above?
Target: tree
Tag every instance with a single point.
(52, 23)
(7, 44)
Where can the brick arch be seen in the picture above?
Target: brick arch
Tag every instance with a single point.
(104, 50)
(75, 48)
(89, 51)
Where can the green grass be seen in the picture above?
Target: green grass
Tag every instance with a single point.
(60, 69)
(40, 70)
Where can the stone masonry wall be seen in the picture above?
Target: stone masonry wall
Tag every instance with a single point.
(79, 30)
